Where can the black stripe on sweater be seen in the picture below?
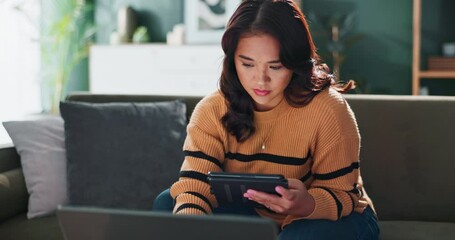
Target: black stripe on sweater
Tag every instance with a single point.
(199, 154)
(202, 197)
(190, 205)
(306, 177)
(338, 173)
(268, 158)
(194, 175)
(338, 203)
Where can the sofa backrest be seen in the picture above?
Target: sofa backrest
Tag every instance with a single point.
(407, 153)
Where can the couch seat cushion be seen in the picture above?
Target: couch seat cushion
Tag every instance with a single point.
(20, 228)
(416, 230)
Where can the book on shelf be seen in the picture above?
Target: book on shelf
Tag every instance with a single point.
(441, 63)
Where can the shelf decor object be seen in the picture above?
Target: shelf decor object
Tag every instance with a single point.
(205, 21)
(448, 49)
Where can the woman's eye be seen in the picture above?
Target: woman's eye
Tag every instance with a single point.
(276, 67)
(247, 65)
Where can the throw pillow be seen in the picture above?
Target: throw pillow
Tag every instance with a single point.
(122, 155)
(40, 144)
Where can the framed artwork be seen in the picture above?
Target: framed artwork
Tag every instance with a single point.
(205, 20)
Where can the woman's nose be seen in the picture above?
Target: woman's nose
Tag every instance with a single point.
(263, 77)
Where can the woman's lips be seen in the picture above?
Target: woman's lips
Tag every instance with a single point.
(261, 92)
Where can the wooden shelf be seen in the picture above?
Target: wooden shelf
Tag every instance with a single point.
(417, 73)
(437, 74)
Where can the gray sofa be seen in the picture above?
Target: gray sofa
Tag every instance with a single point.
(407, 162)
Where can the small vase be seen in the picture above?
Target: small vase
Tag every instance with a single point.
(126, 23)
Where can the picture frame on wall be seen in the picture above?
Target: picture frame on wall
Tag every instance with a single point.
(205, 20)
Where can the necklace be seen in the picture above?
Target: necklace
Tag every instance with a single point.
(265, 138)
(268, 126)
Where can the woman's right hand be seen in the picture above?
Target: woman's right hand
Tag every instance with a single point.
(295, 200)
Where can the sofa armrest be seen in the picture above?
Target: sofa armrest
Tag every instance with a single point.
(13, 194)
(9, 159)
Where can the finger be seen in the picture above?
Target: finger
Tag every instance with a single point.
(257, 194)
(276, 208)
(285, 193)
(261, 197)
(289, 193)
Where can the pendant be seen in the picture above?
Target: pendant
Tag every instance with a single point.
(263, 146)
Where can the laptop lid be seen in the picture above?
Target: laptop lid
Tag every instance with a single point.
(98, 223)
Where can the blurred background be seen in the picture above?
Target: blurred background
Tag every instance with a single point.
(51, 47)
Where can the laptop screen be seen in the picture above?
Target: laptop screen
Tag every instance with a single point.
(100, 223)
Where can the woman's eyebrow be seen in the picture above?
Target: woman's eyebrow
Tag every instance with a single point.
(250, 59)
(245, 57)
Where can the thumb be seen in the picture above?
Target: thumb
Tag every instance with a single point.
(293, 184)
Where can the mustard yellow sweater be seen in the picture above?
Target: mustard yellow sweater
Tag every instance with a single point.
(318, 144)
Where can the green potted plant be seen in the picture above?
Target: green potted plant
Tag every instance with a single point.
(67, 32)
(336, 31)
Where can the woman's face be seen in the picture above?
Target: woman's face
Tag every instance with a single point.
(258, 65)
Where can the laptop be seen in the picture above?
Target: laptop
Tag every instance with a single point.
(90, 223)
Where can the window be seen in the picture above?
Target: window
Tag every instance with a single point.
(19, 60)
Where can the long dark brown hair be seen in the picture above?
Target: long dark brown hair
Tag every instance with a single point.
(283, 20)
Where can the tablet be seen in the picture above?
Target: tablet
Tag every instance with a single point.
(229, 187)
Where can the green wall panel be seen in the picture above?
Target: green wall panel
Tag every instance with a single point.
(381, 60)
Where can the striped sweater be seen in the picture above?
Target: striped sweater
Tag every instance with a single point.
(318, 144)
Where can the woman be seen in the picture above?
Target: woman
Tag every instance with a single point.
(278, 111)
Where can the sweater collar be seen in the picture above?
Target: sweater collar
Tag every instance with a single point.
(272, 114)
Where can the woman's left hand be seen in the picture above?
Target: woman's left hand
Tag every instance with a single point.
(292, 201)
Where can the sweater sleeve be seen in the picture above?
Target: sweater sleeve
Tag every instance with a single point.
(335, 170)
(336, 178)
(204, 152)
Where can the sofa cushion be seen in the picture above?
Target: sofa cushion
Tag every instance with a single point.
(19, 227)
(122, 155)
(416, 230)
(40, 144)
